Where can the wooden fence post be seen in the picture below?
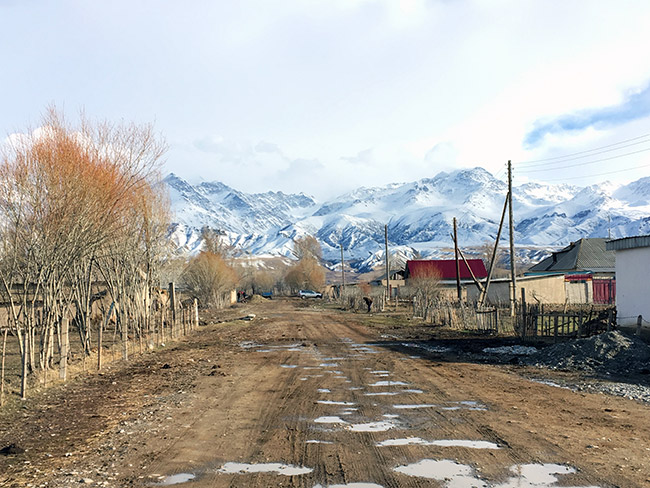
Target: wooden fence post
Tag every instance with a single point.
(580, 328)
(196, 313)
(100, 337)
(639, 321)
(172, 305)
(23, 378)
(65, 346)
(125, 339)
(2, 370)
(523, 313)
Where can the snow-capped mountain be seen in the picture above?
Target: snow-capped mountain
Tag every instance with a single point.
(419, 215)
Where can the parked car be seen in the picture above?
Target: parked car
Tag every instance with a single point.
(309, 294)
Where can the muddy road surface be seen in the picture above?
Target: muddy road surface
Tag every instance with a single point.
(308, 396)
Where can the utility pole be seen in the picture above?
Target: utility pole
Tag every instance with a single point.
(387, 267)
(493, 259)
(513, 292)
(457, 263)
(609, 225)
(342, 269)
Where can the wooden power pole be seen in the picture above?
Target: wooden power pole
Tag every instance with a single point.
(513, 279)
(387, 267)
(342, 269)
(457, 263)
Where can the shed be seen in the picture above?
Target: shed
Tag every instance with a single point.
(632, 278)
(588, 268)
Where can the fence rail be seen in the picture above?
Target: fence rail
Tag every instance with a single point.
(529, 322)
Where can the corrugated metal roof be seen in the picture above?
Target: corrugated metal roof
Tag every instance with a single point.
(583, 255)
(593, 255)
(445, 269)
(628, 243)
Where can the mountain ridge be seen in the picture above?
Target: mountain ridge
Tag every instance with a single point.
(419, 215)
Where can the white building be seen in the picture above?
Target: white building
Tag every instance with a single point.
(632, 278)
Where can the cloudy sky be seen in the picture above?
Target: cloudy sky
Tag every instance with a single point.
(322, 96)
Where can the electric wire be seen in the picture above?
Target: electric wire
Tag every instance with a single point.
(585, 151)
(599, 174)
(592, 153)
(525, 171)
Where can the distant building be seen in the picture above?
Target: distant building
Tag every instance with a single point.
(633, 278)
(588, 268)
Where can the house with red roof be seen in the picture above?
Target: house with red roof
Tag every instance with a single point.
(445, 269)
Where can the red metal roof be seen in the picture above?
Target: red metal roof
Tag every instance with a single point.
(445, 269)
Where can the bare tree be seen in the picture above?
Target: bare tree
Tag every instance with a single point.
(307, 272)
(209, 278)
(425, 291)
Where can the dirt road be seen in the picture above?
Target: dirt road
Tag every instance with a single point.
(305, 397)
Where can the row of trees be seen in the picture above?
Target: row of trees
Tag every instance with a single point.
(79, 205)
(214, 272)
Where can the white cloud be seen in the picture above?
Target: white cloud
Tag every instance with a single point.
(367, 91)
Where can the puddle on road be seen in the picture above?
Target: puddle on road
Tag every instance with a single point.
(417, 441)
(390, 416)
(332, 402)
(277, 468)
(348, 411)
(388, 383)
(437, 349)
(455, 475)
(328, 365)
(414, 405)
(317, 441)
(538, 476)
(380, 372)
(288, 366)
(464, 405)
(330, 420)
(379, 426)
(355, 388)
(351, 485)
(451, 473)
(392, 393)
(175, 479)
(324, 390)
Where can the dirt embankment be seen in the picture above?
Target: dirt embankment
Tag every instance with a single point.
(308, 396)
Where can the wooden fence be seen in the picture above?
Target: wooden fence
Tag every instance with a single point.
(559, 322)
(459, 315)
(530, 322)
(42, 352)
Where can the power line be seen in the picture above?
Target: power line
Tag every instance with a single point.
(600, 174)
(586, 151)
(584, 163)
(566, 158)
